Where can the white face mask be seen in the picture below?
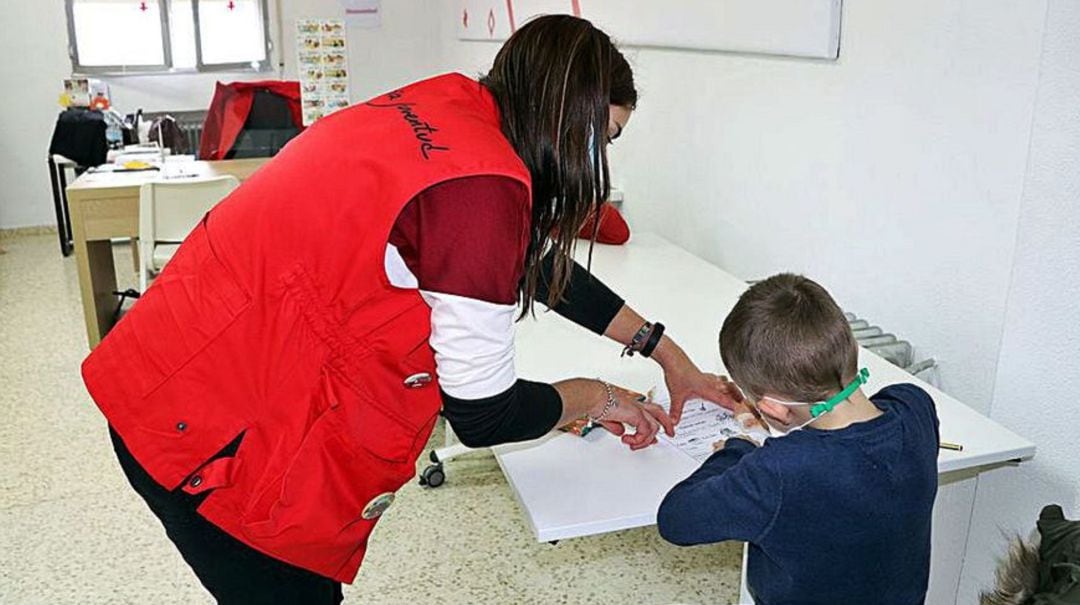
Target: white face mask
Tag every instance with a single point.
(768, 421)
(817, 409)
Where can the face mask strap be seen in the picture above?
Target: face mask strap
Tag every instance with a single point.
(827, 406)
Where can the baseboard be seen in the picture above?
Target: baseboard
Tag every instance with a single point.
(9, 232)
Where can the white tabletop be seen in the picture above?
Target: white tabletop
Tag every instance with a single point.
(570, 486)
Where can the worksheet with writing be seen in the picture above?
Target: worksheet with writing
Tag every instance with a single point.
(705, 423)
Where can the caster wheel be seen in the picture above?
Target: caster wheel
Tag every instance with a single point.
(433, 476)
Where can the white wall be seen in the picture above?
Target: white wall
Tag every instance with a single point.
(33, 44)
(899, 176)
(404, 49)
(33, 38)
(892, 175)
(1038, 377)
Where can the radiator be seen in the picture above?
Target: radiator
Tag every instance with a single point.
(190, 123)
(898, 352)
(193, 133)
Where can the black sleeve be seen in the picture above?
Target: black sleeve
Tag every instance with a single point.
(586, 300)
(525, 411)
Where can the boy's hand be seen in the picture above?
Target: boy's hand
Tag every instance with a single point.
(719, 445)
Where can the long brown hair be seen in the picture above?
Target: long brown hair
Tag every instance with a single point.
(554, 80)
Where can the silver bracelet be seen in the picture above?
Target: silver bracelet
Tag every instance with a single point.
(611, 404)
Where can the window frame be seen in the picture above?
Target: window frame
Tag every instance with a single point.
(78, 69)
(268, 46)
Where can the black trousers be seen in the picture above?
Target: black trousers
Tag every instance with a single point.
(232, 571)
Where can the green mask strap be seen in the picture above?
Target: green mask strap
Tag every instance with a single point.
(827, 406)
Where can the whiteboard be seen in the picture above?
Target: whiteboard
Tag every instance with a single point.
(795, 28)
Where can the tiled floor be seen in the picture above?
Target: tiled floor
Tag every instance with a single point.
(71, 531)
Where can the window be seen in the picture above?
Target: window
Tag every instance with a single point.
(146, 36)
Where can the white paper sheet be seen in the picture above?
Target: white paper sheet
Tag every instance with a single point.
(703, 424)
(365, 14)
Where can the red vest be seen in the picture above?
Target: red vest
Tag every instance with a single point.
(276, 320)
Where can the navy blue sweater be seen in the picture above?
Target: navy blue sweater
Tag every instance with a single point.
(832, 517)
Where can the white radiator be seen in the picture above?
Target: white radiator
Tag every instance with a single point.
(898, 352)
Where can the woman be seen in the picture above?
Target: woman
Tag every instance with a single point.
(275, 385)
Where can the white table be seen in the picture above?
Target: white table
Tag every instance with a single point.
(570, 487)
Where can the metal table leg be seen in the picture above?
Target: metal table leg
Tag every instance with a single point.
(63, 221)
(67, 245)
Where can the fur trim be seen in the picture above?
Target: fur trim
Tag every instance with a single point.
(1017, 575)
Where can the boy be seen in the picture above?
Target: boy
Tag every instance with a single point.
(837, 513)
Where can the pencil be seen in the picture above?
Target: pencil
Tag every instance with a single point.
(956, 447)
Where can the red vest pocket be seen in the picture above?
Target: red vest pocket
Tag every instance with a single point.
(316, 512)
(190, 304)
(393, 376)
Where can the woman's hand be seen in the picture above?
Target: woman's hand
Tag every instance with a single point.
(685, 381)
(695, 384)
(632, 409)
(582, 397)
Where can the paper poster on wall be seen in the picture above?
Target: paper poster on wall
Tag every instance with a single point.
(796, 28)
(366, 14)
(323, 65)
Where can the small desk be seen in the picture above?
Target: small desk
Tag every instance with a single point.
(569, 486)
(105, 206)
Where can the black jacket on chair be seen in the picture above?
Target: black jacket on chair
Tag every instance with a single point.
(80, 136)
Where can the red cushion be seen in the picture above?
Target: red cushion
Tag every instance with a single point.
(613, 227)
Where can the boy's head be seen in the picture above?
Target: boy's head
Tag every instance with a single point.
(787, 339)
